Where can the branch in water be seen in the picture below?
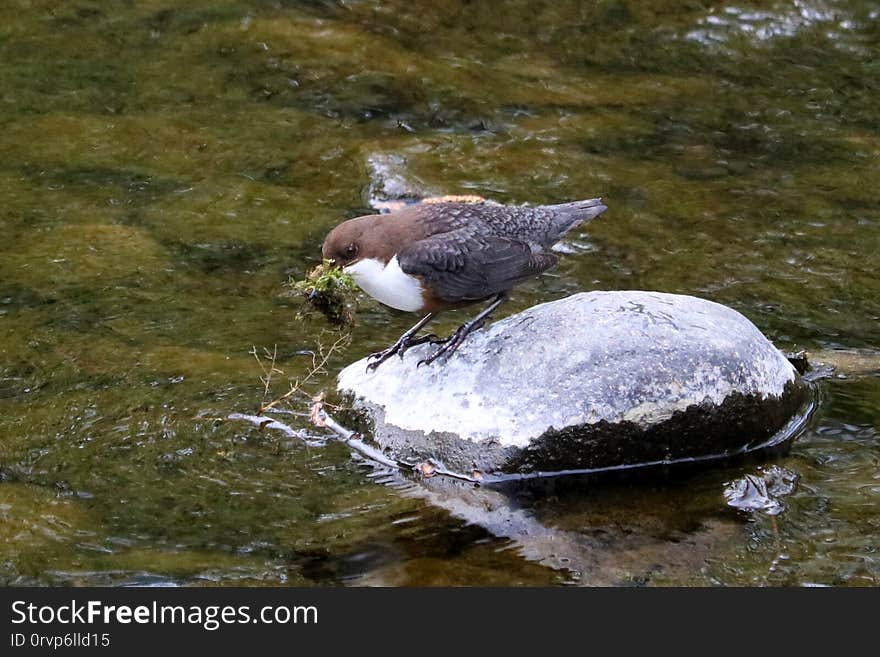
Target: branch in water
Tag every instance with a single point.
(344, 435)
(351, 439)
(264, 422)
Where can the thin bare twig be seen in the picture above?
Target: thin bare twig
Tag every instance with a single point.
(266, 378)
(319, 360)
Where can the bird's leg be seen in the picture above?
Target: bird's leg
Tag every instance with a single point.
(403, 343)
(454, 342)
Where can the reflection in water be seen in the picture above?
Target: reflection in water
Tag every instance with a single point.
(595, 554)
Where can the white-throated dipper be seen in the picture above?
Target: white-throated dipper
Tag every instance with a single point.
(432, 257)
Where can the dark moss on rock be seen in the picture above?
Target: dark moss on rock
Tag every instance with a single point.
(741, 424)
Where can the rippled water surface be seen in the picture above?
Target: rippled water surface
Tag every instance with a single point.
(166, 166)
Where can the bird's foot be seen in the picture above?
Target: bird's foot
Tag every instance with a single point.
(400, 348)
(453, 342)
(379, 357)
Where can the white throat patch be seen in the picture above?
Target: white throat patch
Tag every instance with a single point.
(388, 284)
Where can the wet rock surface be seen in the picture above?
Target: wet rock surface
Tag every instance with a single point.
(391, 187)
(596, 381)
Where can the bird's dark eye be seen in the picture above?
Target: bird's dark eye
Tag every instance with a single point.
(351, 251)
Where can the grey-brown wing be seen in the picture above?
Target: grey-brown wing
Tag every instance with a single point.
(459, 265)
(541, 226)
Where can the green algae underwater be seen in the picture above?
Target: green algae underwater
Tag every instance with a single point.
(166, 166)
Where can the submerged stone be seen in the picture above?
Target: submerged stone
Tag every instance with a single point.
(596, 381)
(762, 491)
(391, 187)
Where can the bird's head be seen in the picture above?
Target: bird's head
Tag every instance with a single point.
(344, 244)
(356, 239)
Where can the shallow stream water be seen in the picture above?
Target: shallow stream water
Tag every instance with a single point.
(166, 166)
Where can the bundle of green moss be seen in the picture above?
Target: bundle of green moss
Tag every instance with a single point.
(330, 291)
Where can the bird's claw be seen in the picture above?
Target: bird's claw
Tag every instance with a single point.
(448, 345)
(379, 357)
(400, 348)
(439, 352)
(431, 338)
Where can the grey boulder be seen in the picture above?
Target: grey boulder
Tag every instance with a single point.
(596, 381)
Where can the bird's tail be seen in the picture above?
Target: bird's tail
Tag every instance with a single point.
(573, 214)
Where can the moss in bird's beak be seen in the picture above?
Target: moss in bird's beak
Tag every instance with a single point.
(329, 290)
